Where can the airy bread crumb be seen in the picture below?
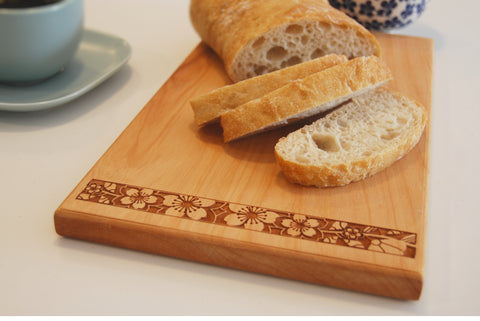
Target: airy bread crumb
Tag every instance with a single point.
(294, 43)
(357, 140)
(254, 37)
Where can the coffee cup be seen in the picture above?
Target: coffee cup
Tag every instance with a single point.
(38, 38)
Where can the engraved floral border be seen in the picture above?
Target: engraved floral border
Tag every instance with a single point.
(324, 230)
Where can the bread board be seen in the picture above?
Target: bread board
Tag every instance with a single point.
(167, 187)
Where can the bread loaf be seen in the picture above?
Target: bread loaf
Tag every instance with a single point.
(209, 107)
(305, 97)
(357, 140)
(254, 37)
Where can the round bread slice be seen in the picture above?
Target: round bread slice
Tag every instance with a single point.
(254, 37)
(360, 138)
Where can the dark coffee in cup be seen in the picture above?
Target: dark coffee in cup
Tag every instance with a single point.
(25, 3)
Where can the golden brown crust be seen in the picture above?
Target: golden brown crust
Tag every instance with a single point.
(304, 97)
(209, 107)
(338, 174)
(227, 26)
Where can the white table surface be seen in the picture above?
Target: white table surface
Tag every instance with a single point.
(43, 155)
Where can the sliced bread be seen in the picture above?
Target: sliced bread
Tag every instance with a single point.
(254, 37)
(209, 107)
(357, 140)
(305, 97)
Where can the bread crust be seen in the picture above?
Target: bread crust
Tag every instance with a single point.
(305, 97)
(228, 26)
(209, 107)
(330, 174)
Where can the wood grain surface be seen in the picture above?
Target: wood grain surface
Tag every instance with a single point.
(167, 187)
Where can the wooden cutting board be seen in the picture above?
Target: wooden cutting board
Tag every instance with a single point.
(168, 187)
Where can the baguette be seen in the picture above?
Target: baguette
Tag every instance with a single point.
(209, 107)
(357, 140)
(254, 37)
(305, 97)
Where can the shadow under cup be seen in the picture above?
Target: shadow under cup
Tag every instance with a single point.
(37, 42)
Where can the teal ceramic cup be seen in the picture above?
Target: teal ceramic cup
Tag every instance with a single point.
(38, 42)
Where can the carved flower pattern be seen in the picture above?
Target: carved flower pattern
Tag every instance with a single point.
(138, 199)
(314, 229)
(192, 206)
(300, 225)
(251, 217)
(90, 191)
(352, 233)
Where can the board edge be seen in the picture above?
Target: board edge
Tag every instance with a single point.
(240, 255)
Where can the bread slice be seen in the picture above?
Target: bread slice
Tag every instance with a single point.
(305, 97)
(359, 139)
(209, 107)
(254, 37)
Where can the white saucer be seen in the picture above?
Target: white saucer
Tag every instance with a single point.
(98, 57)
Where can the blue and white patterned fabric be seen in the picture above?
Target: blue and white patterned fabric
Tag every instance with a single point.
(382, 15)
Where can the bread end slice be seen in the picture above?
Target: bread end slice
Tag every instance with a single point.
(360, 138)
